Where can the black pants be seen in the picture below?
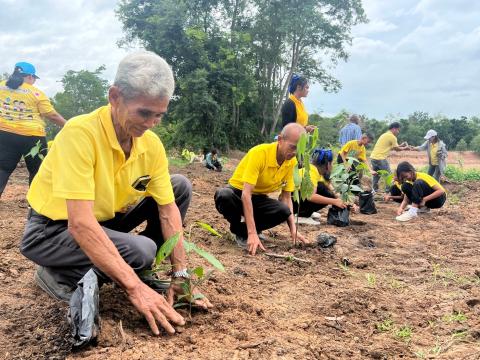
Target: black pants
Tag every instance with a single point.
(49, 243)
(418, 190)
(216, 166)
(307, 207)
(12, 148)
(267, 212)
(395, 191)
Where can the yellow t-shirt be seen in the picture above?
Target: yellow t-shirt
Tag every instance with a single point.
(302, 115)
(430, 180)
(352, 148)
(434, 153)
(21, 110)
(86, 162)
(385, 143)
(315, 176)
(259, 167)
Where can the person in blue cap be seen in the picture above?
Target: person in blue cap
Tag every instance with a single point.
(22, 110)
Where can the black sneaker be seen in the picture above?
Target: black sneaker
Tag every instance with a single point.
(52, 287)
(241, 241)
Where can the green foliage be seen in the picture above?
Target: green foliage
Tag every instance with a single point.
(166, 248)
(37, 150)
(475, 143)
(456, 316)
(343, 179)
(188, 155)
(458, 174)
(404, 333)
(233, 59)
(385, 325)
(386, 177)
(303, 184)
(462, 145)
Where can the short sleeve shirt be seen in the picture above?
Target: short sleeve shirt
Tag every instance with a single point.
(21, 110)
(385, 143)
(259, 168)
(86, 162)
(315, 176)
(430, 180)
(352, 148)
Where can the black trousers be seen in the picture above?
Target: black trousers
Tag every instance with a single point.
(395, 191)
(49, 243)
(307, 207)
(267, 212)
(216, 166)
(418, 190)
(12, 148)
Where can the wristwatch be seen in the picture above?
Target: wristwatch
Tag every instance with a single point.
(181, 274)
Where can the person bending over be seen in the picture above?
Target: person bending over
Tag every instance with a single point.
(421, 191)
(211, 161)
(265, 169)
(323, 194)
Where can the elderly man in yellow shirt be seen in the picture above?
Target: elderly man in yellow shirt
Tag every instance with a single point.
(105, 174)
(385, 143)
(265, 169)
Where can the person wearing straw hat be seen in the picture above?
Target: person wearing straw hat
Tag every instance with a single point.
(22, 110)
(437, 154)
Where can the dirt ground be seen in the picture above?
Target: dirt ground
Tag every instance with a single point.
(410, 291)
(466, 159)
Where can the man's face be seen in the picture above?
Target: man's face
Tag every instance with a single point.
(288, 147)
(365, 140)
(137, 115)
(395, 131)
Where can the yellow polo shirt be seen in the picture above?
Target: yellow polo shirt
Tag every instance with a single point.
(86, 162)
(259, 168)
(315, 176)
(21, 110)
(434, 154)
(302, 115)
(358, 151)
(385, 143)
(430, 180)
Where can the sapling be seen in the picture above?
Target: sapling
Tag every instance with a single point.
(188, 155)
(343, 179)
(197, 275)
(36, 150)
(303, 182)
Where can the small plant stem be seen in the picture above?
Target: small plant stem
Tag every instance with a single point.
(294, 258)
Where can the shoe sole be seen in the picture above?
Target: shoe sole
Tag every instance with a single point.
(42, 285)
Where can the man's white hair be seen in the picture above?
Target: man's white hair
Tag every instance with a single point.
(144, 73)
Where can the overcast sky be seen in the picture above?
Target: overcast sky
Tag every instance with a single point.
(412, 55)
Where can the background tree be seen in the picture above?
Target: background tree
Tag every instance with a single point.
(239, 55)
(462, 145)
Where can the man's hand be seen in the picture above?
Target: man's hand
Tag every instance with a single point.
(339, 203)
(310, 128)
(373, 172)
(155, 308)
(399, 211)
(386, 198)
(176, 289)
(301, 238)
(253, 242)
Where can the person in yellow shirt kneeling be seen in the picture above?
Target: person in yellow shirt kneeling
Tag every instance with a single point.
(265, 169)
(420, 190)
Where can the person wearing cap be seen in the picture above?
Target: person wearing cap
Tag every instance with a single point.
(351, 131)
(385, 143)
(265, 169)
(106, 174)
(323, 192)
(293, 109)
(436, 152)
(22, 110)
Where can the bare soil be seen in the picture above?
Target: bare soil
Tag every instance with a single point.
(420, 278)
(466, 159)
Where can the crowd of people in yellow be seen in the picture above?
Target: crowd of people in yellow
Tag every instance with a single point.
(106, 173)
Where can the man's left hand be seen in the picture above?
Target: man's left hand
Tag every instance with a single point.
(301, 238)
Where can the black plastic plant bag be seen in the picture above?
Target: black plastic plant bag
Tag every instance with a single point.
(83, 313)
(367, 203)
(338, 217)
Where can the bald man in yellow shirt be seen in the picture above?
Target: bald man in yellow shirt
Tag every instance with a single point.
(265, 169)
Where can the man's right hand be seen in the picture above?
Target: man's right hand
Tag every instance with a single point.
(339, 203)
(155, 308)
(400, 211)
(253, 242)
